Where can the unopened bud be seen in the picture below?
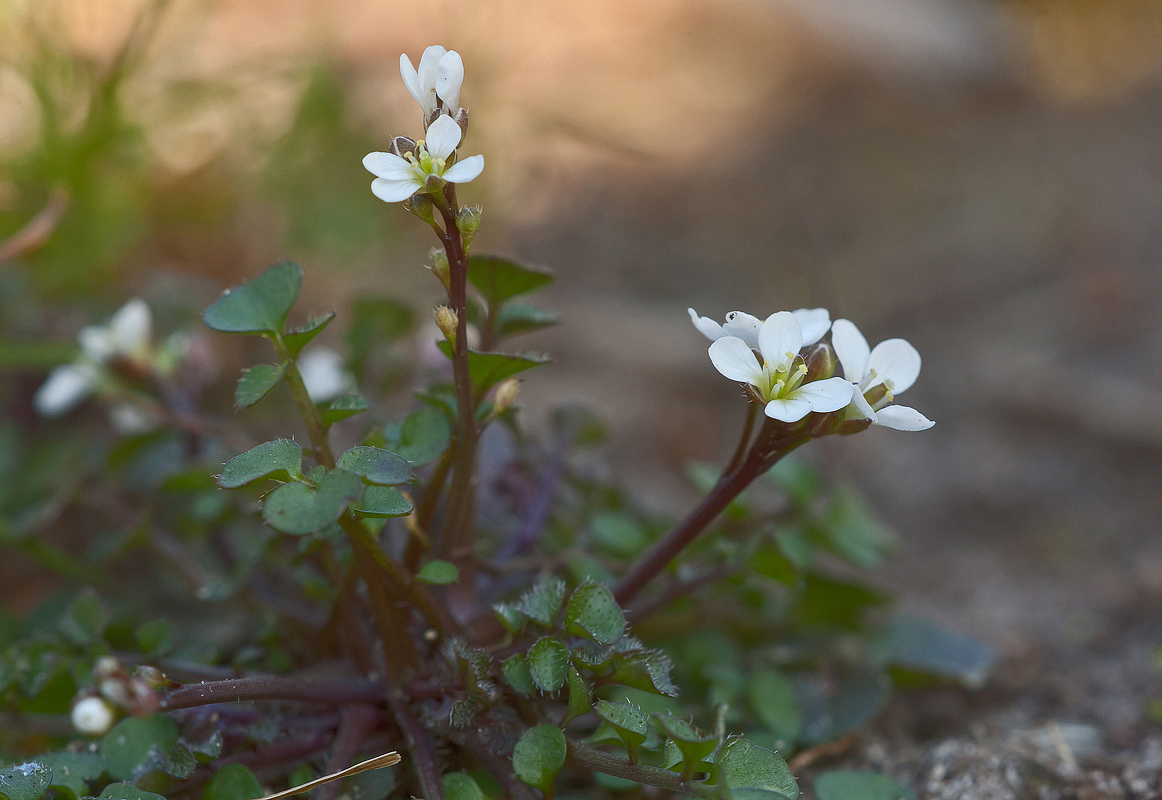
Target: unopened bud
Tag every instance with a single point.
(432, 117)
(505, 396)
(468, 222)
(446, 321)
(421, 205)
(434, 183)
(820, 361)
(151, 677)
(92, 716)
(439, 266)
(402, 146)
(462, 121)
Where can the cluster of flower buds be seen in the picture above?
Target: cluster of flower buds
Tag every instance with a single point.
(114, 688)
(788, 367)
(426, 165)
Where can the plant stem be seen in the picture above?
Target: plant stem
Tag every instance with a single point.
(752, 412)
(357, 724)
(307, 408)
(588, 757)
(273, 687)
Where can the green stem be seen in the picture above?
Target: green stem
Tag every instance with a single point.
(591, 758)
(307, 408)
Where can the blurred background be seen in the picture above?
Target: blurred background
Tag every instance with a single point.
(981, 177)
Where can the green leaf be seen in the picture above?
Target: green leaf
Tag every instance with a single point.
(771, 562)
(539, 756)
(155, 637)
(301, 336)
(543, 601)
(136, 744)
(745, 765)
(593, 612)
(858, 785)
(649, 672)
(85, 620)
(500, 279)
(25, 781)
(858, 699)
(854, 534)
(257, 382)
(460, 786)
(127, 791)
(516, 671)
(180, 762)
(383, 501)
(441, 573)
(374, 320)
(347, 405)
(618, 534)
(628, 722)
(260, 305)
(774, 701)
(489, 369)
(548, 663)
(510, 616)
(233, 782)
(422, 437)
(924, 646)
(300, 509)
(580, 698)
(381, 467)
(693, 744)
(72, 772)
(796, 476)
(281, 459)
(517, 318)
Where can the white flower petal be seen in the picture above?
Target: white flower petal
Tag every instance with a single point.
(324, 375)
(92, 716)
(744, 326)
(852, 349)
(395, 191)
(66, 386)
(862, 405)
(896, 363)
(733, 358)
(428, 72)
(96, 343)
(706, 326)
(778, 336)
(465, 170)
(814, 321)
(388, 165)
(831, 394)
(411, 79)
(902, 418)
(443, 137)
(130, 327)
(449, 79)
(789, 409)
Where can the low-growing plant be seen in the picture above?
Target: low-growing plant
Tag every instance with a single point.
(237, 615)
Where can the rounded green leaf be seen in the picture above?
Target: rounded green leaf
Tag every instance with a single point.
(257, 382)
(72, 772)
(440, 573)
(127, 791)
(649, 672)
(137, 742)
(539, 756)
(375, 465)
(510, 616)
(516, 671)
(300, 509)
(85, 620)
(344, 406)
(301, 336)
(460, 786)
(233, 782)
(693, 744)
(500, 279)
(543, 601)
(259, 306)
(422, 437)
(580, 698)
(593, 612)
(745, 765)
(517, 318)
(548, 663)
(281, 459)
(858, 785)
(25, 781)
(628, 722)
(383, 501)
(774, 701)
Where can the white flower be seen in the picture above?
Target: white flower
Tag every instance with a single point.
(893, 364)
(440, 76)
(778, 380)
(126, 336)
(399, 178)
(324, 375)
(92, 716)
(814, 322)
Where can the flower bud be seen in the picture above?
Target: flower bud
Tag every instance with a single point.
(421, 205)
(402, 146)
(462, 121)
(434, 183)
(820, 361)
(505, 395)
(439, 266)
(468, 222)
(446, 321)
(92, 716)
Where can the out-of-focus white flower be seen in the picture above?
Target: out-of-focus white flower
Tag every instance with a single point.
(779, 379)
(894, 364)
(814, 323)
(92, 716)
(130, 420)
(440, 76)
(126, 336)
(324, 375)
(398, 178)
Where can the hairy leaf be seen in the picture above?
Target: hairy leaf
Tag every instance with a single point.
(257, 382)
(260, 305)
(281, 459)
(593, 612)
(383, 501)
(539, 756)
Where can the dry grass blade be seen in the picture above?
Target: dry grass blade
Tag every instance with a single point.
(385, 760)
